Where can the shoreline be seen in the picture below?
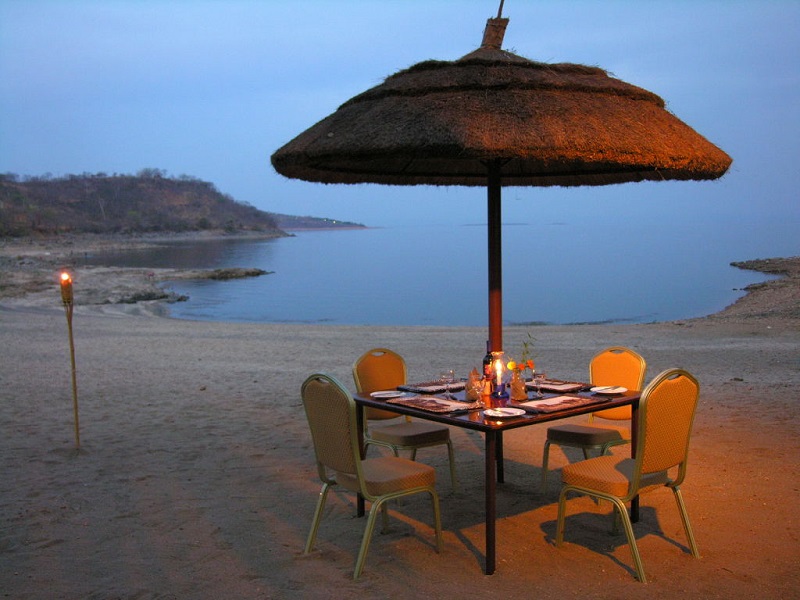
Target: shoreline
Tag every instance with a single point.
(29, 278)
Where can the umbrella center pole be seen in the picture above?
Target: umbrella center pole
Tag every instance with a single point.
(495, 257)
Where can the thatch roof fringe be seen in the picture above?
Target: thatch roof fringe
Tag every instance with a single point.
(634, 93)
(466, 75)
(567, 68)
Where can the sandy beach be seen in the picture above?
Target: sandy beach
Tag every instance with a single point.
(196, 478)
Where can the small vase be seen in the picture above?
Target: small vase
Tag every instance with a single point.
(518, 389)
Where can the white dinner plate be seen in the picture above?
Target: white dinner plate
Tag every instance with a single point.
(609, 389)
(504, 412)
(387, 394)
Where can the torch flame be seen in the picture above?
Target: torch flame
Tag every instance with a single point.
(66, 288)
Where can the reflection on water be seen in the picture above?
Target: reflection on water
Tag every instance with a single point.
(425, 276)
(211, 254)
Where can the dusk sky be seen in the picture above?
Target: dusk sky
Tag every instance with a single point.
(212, 88)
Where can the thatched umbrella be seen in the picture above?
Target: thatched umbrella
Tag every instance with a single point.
(492, 118)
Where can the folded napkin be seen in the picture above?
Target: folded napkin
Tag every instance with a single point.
(557, 403)
(431, 387)
(434, 403)
(473, 386)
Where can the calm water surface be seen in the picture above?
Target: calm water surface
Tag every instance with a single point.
(438, 276)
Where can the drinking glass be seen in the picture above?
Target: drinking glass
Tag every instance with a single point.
(538, 378)
(447, 377)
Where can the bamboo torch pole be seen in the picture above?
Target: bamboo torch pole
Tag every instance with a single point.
(67, 300)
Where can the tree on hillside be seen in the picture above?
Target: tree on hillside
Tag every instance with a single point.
(98, 203)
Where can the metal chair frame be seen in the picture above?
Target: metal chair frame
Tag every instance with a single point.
(388, 371)
(603, 370)
(334, 431)
(666, 414)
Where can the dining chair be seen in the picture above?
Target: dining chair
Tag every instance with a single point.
(331, 413)
(383, 369)
(666, 414)
(617, 366)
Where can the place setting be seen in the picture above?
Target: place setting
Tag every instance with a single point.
(434, 404)
(558, 403)
(608, 390)
(436, 396)
(504, 412)
(446, 383)
(389, 394)
(556, 386)
(427, 402)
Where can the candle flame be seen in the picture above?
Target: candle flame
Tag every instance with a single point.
(65, 278)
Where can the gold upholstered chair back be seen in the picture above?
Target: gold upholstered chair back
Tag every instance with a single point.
(332, 419)
(617, 365)
(665, 417)
(614, 366)
(379, 369)
(667, 413)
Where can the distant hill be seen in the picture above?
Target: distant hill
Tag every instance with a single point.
(148, 202)
(290, 222)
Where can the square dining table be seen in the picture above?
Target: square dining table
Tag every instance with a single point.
(493, 429)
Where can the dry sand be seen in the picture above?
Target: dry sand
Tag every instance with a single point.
(195, 477)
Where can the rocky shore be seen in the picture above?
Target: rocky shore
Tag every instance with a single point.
(29, 270)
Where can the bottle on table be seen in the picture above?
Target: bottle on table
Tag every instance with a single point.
(488, 366)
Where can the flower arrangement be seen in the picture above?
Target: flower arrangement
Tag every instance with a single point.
(525, 361)
(521, 366)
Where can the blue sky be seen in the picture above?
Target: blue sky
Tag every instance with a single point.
(212, 88)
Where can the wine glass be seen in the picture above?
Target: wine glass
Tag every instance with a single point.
(447, 377)
(538, 378)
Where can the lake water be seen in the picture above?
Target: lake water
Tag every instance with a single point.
(438, 276)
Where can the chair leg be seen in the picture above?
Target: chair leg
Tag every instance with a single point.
(312, 535)
(380, 506)
(545, 459)
(687, 527)
(615, 522)
(377, 506)
(452, 458)
(385, 515)
(622, 510)
(562, 512)
(437, 520)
